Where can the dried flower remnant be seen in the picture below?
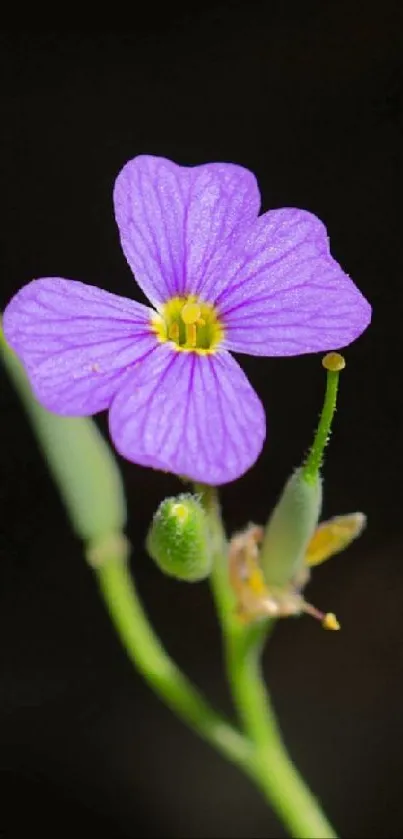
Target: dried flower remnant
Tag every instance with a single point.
(256, 600)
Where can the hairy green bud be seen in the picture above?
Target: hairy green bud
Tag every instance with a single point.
(178, 540)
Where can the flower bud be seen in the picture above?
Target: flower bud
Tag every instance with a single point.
(178, 540)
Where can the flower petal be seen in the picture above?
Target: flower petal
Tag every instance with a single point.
(193, 415)
(333, 536)
(281, 293)
(76, 342)
(173, 218)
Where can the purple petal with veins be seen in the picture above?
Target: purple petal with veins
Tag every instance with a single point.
(194, 415)
(76, 342)
(283, 292)
(172, 219)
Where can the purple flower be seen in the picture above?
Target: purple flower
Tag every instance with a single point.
(220, 279)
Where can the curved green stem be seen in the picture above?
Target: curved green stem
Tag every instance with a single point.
(275, 774)
(152, 661)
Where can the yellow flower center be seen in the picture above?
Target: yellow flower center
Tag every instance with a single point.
(190, 324)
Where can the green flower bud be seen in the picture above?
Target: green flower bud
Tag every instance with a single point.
(290, 528)
(178, 540)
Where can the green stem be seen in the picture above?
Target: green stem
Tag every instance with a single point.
(276, 775)
(152, 661)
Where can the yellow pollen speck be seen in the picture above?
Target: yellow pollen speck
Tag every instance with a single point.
(190, 313)
(334, 362)
(180, 512)
(330, 622)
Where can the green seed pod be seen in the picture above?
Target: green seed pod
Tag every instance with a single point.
(290, 528)
(178, 539)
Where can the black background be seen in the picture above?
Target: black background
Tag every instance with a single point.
(310, 97)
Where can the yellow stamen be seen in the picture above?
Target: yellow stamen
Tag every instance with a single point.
(191, 334)
(330, 622)
(190, 313)
(173, 333)
(192, 324)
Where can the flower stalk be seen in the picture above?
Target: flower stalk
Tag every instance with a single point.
(277, 777)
